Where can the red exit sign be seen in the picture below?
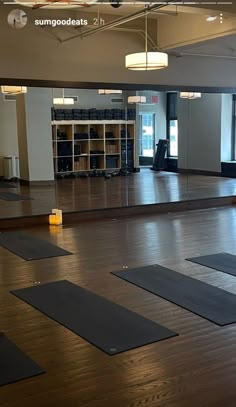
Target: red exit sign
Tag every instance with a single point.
(154, 99)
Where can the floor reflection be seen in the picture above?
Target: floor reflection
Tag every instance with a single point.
(146, 187)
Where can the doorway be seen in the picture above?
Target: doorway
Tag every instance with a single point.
(146, 138)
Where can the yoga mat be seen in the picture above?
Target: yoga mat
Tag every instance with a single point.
(110, 327)
(14, 364)
(209, 302)
(11, 196)
(7, 185)
(30, 247)
(224, 262)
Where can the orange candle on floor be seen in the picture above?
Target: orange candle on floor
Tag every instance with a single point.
(52, 219)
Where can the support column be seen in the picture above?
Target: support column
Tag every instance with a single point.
(35, 136)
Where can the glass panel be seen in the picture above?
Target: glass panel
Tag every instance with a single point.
(100, 138)
(173, 132)
(147, 135)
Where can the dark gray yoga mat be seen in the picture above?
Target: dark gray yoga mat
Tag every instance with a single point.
(110, 327)
(11, 196)
(209, 302)
(14, 364)
(224, 262)
(30, 247)
(7, 185)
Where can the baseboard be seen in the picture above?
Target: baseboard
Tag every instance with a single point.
(199, 172)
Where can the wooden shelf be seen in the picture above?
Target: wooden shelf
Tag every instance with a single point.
(59, 141)
(80, 158)
(91, 122)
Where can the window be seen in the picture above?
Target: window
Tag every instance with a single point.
(146, 142)
(173, 138)
(172, 124)
(234, 129)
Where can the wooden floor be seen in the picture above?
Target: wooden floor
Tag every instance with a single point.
(195, 369)
(146, 187)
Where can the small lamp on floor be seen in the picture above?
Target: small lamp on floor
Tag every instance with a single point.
(56, 217)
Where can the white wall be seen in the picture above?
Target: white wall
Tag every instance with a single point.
(8, 130)
(204, 132)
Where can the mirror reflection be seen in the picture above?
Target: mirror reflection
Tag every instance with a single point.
(87, 149)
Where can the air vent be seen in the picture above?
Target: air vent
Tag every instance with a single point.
(76, 98)
(117, 100)
(9, 98)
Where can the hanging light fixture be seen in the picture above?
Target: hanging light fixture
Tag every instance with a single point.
(109, 91)
(64, 100)
(190, 95)
(146, 61)
(136, 99)
(13, 90)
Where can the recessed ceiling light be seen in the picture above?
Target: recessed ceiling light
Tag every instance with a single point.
(211, 18)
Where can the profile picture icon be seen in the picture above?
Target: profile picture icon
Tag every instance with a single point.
(17, 19)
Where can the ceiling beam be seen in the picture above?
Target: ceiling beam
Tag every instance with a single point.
(117, 22)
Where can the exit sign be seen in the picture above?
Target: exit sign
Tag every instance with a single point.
(154, 99)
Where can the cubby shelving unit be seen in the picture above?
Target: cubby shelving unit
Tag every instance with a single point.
(80, 146)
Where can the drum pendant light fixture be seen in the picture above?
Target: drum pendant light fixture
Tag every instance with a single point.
(13, 90)
(136, 99)
(146, 61)
(109, 91)
(63, 100)
(190, 95)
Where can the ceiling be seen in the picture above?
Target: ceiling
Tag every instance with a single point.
(129, 6)
(189, 16)
(223, 46)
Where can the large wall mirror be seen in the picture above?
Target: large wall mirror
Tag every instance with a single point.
(87, 149)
